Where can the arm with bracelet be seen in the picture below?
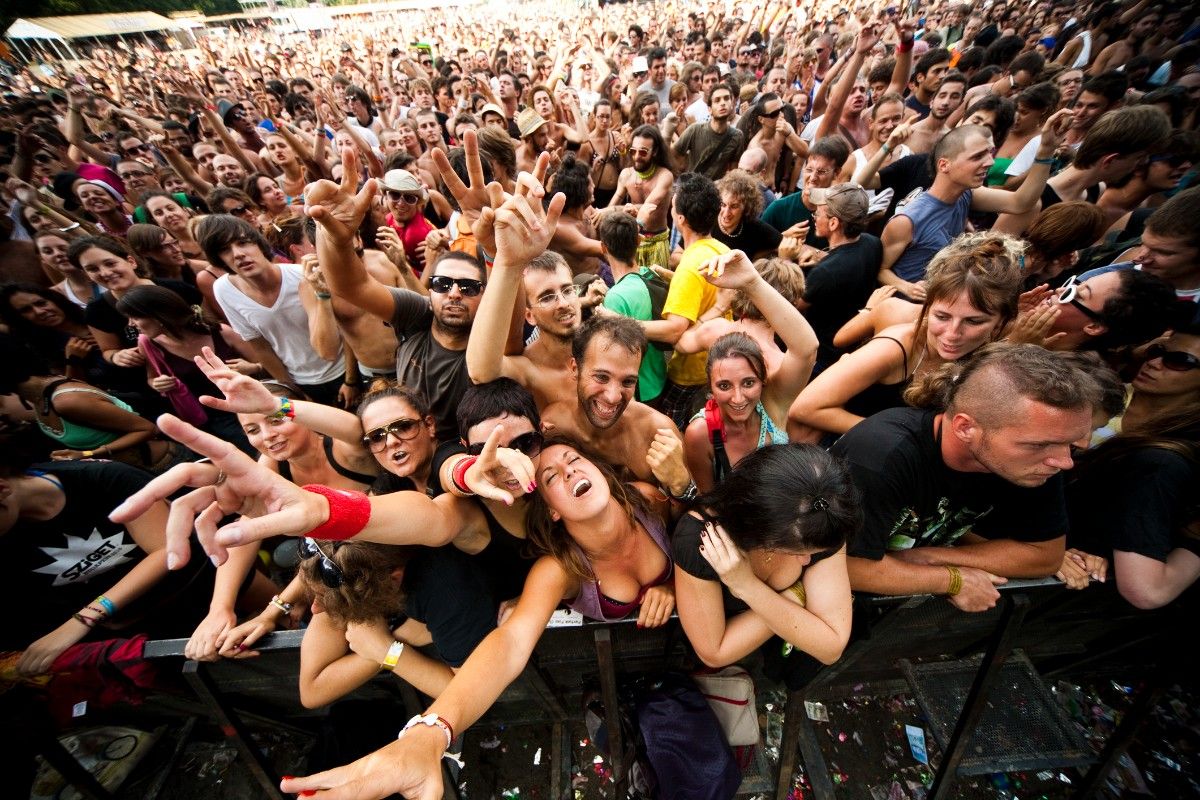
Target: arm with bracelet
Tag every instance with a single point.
(206, 641)
(283, 609)
(148, 532)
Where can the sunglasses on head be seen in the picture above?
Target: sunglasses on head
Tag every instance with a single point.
(468, 286)
(528, 443)
(1174, 360)
(375, 439)
(331, 574)
(407, 198)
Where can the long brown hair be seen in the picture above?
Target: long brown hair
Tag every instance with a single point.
(548, 536)
(368, 590)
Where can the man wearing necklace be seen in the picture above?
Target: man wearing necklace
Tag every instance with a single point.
(644, 192)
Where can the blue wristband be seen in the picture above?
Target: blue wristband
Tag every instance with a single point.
(109, 606)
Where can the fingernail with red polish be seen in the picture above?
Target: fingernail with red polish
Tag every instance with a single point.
(289, 777)
(308, 793)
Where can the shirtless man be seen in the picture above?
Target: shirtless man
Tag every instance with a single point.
(575, 237)
(775, 133)
(1120, 51)
(551, 303)
(925, 134)
(645, 191)
(603, 153)
(535, 139)
(334, 320)
(430, 134)
(604, 416)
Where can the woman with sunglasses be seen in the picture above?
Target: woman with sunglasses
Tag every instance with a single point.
(972, 292)
(1106, 310)
(1132, 499)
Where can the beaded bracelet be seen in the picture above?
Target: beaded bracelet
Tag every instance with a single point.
(276, 601)
(285, 409)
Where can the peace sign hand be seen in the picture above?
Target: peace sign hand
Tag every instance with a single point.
(340, 208)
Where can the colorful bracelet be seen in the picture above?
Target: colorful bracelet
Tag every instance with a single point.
(349, 513)
(459, 475)
(108, 605)
(286, 608)
(956, 581)
(285, 409)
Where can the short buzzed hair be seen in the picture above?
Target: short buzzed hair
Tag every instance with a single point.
(954, 142)
(618, 233)
(997, 374)
(619, 330)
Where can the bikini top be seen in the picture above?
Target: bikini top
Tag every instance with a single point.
(594, 605)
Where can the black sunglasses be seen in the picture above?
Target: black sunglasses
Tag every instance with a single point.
(375, 440)
(528, 443)
(1174, 360)
(772, 114)
(331, 574)
(468, 286)
(408, 198)
(237, 211)
(141, 148)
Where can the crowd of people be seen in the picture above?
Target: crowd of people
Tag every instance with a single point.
(642, 310)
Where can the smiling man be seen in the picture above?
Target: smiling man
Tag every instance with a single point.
(963, 499)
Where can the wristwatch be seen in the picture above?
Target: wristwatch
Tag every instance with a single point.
(688, 494)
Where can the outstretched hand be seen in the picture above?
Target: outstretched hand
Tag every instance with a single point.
(233, 483)
(340, 208)
(243, 394)
(523, 229)
(500, 473)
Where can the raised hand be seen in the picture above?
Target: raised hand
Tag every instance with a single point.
(868, 37)
(1033, 326)
(1053, 131)
(898, 135)
(243, 394)
(471, 198)
(727, 560)
(340, 208)
(500, 473)
(666, 461)
(523, 229)
(732, 270)
(233, 483)
(313, 274)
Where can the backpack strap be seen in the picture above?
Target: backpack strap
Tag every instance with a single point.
(716, 435)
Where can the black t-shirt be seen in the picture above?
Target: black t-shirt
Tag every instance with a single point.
(912, 499)
(54, 568)
(916, 105)
(448, 591)
(102, 312)
(837, 287)
(755, 237)
(903, 176)
(1139, 503)
(685, 550)
(423, 364)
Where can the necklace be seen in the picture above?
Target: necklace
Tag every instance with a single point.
(734, 233)
(648, 174)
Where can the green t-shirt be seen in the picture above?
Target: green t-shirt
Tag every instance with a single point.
(629, 297)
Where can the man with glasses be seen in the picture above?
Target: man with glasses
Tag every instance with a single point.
(433, 331)
(138, 179)
(405, 199)
(774, 134)
(825, 160)
(551, 305)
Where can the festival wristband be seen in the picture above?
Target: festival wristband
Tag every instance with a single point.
(433, 721)
(459, 475)
(1046, 161)
(393, 657)
(349, 513)
(285, 409)
(109, 606)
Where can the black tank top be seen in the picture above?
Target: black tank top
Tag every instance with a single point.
(285, 468)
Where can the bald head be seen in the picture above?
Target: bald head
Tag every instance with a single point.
(754, 160)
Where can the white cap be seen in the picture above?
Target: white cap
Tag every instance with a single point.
(640, 64)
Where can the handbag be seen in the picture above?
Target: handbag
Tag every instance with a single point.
(730, 694)
(186, 406)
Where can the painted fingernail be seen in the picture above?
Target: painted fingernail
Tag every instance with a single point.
(308, 793)
(531, 487)
(172, 561)
(240, 647)
(289, 777)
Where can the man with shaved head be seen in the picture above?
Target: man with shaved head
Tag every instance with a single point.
(965, 497)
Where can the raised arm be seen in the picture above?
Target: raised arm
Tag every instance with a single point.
(867, 38)
(1002, 201)
(76, 128)
(339, 211)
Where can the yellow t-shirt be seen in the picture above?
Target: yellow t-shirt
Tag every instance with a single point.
(690, 296)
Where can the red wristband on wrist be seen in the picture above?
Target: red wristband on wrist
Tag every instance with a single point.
(459, 475)
(905, 45)
(349, 513)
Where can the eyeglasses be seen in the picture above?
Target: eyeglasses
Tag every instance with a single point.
(375, 439)
(819, 173)
(134, 173)
(548, 299)
(425, 62)
(407, 198)
(1068, 294)
(468, 286)
(1174, 360)
(528, 443)
(141, 148)
(331, 574)
(237, 211)
(772, 114)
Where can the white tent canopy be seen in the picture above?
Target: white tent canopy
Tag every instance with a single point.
(90, 25)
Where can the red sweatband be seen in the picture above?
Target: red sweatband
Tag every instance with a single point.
(349, 513)
(459, 475)
(905, 45)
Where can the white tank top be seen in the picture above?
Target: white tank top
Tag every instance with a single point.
(1085, 52)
